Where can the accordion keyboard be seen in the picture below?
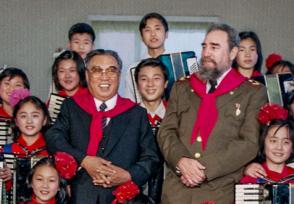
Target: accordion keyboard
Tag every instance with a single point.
(55, 106)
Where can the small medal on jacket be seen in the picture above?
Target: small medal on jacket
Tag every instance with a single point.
(238, 111)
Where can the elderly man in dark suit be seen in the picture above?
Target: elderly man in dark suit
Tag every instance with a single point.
(210, 130)
(109, 136)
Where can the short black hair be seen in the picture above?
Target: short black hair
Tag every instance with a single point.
(152, 62)
(148, 16)
(69, 55)
(12, 72)
(81, 28)
(254, 37)
(112, 53)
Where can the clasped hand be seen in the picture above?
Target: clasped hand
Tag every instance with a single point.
(192, 172)
(104, 173)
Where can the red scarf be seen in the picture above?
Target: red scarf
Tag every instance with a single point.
(86, 102)
(255, 74)
(78, 92)
(207, 106)
(3, 113)
(38, 148)
(154, 120)
(287, 171)
(34, 200)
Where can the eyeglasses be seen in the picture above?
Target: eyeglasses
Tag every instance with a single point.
(98, 71)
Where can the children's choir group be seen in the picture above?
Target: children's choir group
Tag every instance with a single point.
(29, 117)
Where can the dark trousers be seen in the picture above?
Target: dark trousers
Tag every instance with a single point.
(155, 186)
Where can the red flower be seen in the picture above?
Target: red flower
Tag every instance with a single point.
(65, 164)
(17, 95)
(271, 59)
(270, 112)
(125, 192)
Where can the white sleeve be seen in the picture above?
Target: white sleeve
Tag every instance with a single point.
(130, 86)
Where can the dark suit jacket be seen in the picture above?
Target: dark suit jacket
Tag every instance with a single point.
(232, 143)
(127, 142)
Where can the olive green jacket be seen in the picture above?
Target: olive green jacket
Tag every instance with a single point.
(231, 145)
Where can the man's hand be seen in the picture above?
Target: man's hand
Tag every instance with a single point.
(255, 170)
(192, 172)
(92, 163)
(116, 177)
(5, 173)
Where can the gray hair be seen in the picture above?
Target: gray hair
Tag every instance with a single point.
(233, 36)
(112, 53)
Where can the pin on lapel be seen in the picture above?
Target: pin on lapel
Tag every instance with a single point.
(238, 111)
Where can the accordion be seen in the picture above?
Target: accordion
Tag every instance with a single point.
(5, 131)
(10, 196)
(54, 106)
(278, 85)
(178, 65)
(264, 193)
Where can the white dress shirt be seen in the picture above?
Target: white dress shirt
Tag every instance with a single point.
(109, 103)
(219, 80)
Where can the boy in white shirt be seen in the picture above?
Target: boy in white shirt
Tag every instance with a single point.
(154, 31)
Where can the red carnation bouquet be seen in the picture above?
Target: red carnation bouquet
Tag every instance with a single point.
(271, 111)
(66, 165)
(125, 192)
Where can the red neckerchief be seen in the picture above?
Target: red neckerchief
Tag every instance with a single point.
(38, 148)
(4, 114)
(278, 176)
(154, 120)
(287, 171)
(208, 103)
(86, 102)
(255, 74)
(34, 200)
(79, 92)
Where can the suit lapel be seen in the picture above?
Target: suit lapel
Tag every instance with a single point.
(86, 119)
(118, 126)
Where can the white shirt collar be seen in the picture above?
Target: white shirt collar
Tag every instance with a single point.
(219, 80)
(160, 110)
(109, 103)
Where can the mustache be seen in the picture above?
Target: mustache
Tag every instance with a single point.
(205, 73)
(207, 59)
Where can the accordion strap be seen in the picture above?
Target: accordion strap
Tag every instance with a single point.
(29, 153)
